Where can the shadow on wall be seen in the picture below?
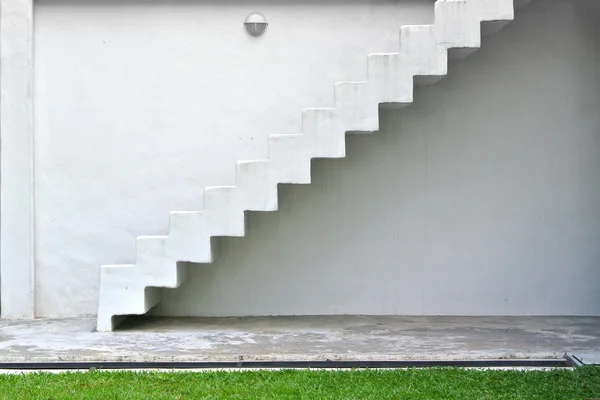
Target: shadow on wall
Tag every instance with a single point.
(480, 198)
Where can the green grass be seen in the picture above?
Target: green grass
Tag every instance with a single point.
(435, 383)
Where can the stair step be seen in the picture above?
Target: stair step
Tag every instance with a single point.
(135, 298)
(325, 128)
(497, 10)
(290, 155)
(457, 24)
(357, 108)
(257, 185)
(154, 262)
(424, 55)
(390, 79)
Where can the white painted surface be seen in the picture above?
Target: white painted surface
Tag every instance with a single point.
(135, 288)
(151, 102)
(479, 199)
(17, 299)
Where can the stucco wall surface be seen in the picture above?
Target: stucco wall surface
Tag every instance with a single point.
(480, 198)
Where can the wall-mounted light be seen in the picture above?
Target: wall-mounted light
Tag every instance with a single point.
(256, 24)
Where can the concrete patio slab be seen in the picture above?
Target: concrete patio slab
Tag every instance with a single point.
(301, 338)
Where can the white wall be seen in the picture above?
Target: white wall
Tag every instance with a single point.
(481, 198)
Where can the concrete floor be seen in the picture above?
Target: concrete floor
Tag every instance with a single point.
(302, 338)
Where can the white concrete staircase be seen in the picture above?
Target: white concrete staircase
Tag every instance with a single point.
(161, 261)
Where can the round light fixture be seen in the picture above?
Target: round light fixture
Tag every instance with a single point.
(256, 24)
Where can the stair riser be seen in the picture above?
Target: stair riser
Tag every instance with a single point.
(290, 155)
(357, 107)
(424, 55)
(257, 186)
(389, 79)
(324, 127)
(457, 24)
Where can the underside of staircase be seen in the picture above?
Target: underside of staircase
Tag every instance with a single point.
(163, 261)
